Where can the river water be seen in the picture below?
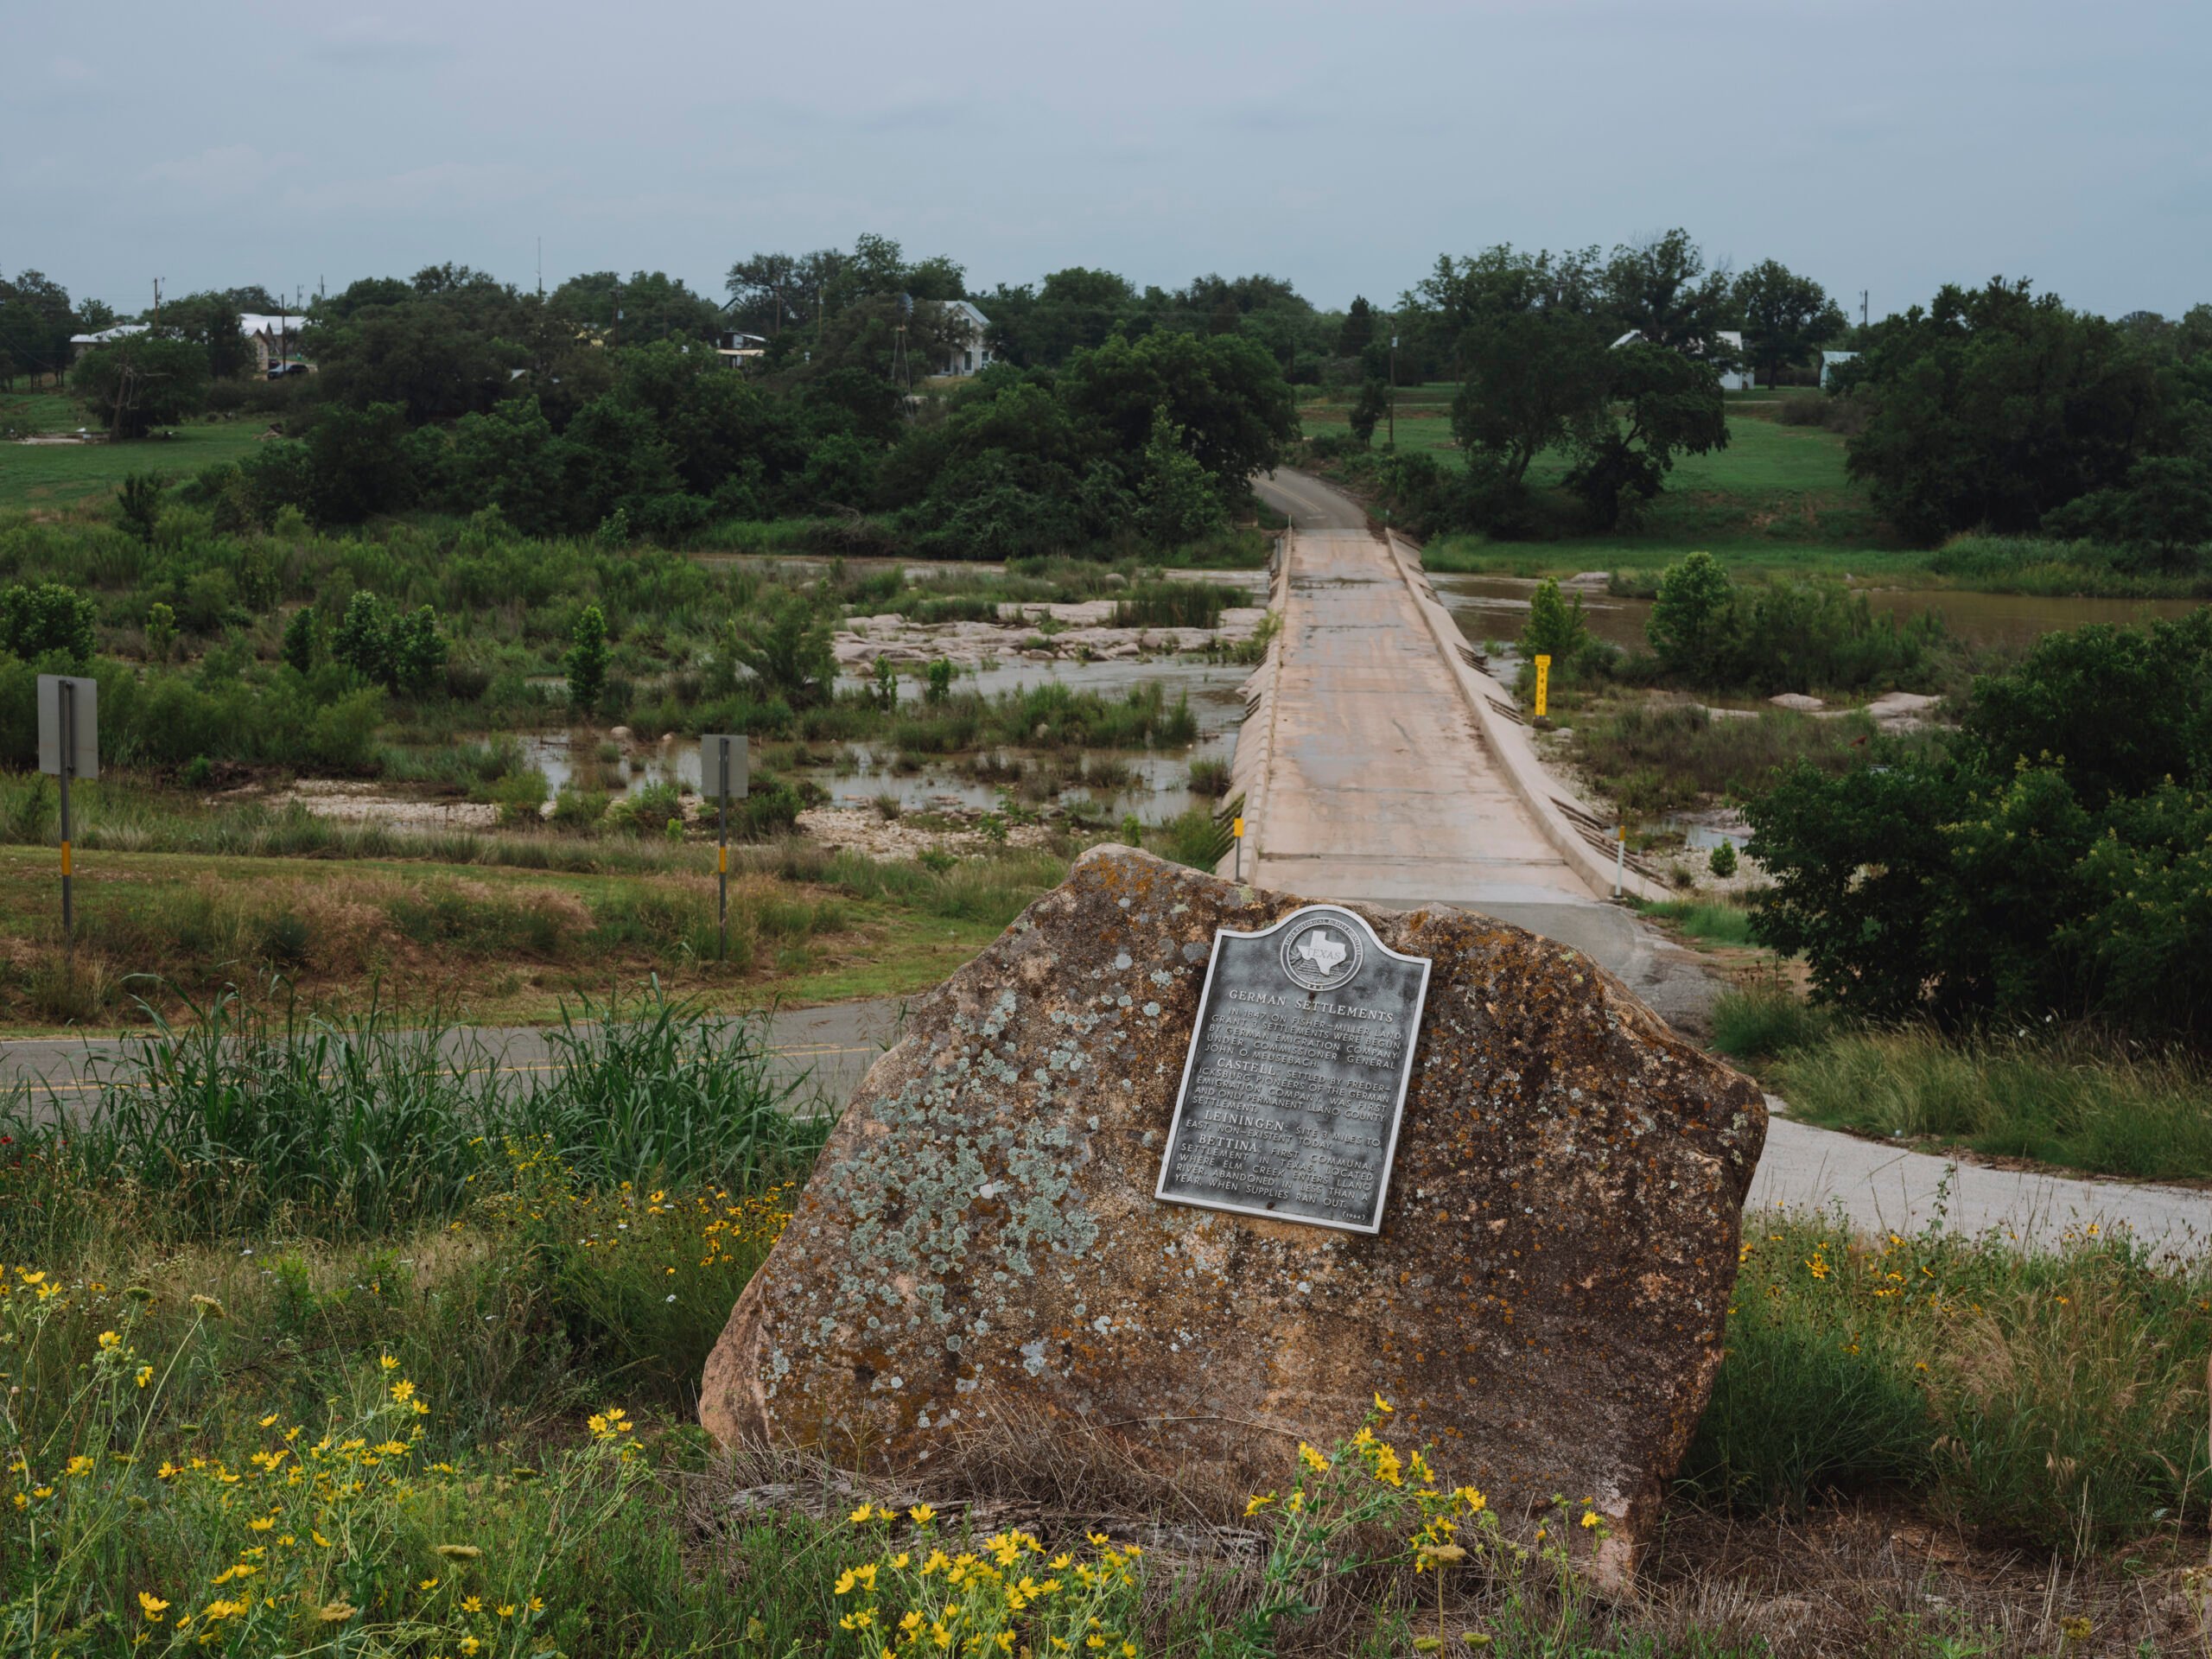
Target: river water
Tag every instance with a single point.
(1157, 783)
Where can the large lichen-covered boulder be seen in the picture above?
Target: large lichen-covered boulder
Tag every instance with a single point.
(980, 1249)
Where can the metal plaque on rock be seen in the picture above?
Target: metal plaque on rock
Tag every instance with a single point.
(1296, 1075)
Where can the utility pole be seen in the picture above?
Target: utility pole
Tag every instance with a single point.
(157, 304)
(1862, 308)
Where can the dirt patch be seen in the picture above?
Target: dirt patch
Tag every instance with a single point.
(354, 802)
(864, 830)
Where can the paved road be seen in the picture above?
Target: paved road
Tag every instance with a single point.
(826, 1051)
(1884, 1189)
(1381, 789)
(1308, 502)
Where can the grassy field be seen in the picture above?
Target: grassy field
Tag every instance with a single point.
(1776, 499)
(314, 1341)
(492, 943)
(2067, 1102)
(36, 475)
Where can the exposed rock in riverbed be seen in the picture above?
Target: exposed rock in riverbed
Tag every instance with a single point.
(1081, 631)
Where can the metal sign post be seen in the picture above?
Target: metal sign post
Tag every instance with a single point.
(1238, 832)
(722, 769)
(1620, 858)
(68, 747)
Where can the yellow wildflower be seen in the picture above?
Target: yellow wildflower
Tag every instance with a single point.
(152, 1606)
(1382, 1405)
(1312, 1458)
(145, 1374)
(921, 1515)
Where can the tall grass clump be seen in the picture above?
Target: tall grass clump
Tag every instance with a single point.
(2056, 1395)
(658, 1090)
(2072, 1100)
(246, 1115)
(1760, 1020)
(1175, 605)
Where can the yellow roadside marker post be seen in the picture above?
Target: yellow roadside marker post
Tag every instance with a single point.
(1543, 685)
(1238, 832)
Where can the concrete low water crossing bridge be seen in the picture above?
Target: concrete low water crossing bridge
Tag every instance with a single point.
(1381, 763)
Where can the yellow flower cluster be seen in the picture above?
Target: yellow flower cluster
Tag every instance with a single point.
(1009, 1595)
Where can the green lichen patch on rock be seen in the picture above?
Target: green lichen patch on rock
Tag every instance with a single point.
(980, 1247)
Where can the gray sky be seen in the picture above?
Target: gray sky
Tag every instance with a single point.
(1873, 144)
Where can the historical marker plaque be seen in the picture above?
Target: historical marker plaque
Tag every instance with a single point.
(1296, 1075)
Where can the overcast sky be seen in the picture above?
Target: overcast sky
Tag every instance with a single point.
(1877, 145)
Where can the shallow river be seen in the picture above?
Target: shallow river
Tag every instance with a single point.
(1158, 786)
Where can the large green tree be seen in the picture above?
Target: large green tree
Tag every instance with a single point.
(1533, 378)
(1993, 406)
(1658, 405)
(2049, 860)
(648, 305)
(142, 382)
(1663, 288)
(1226, 392)
(1785, 316)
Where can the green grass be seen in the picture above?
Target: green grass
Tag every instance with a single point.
(2055, 1397)
(62, 475)
(1669, 757)
(1711, 921)
(41, 412)
(267, 1246)
(1760, 1021)
(500, 944)
(2069, 1101)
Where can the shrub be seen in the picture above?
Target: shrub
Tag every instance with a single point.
(1688, 627)
(2051, 860)
(46, 619)
(586, 662)
(1556, 628)
(787, 645)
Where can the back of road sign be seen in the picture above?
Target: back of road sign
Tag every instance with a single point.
(712, 749)
(84, 725)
